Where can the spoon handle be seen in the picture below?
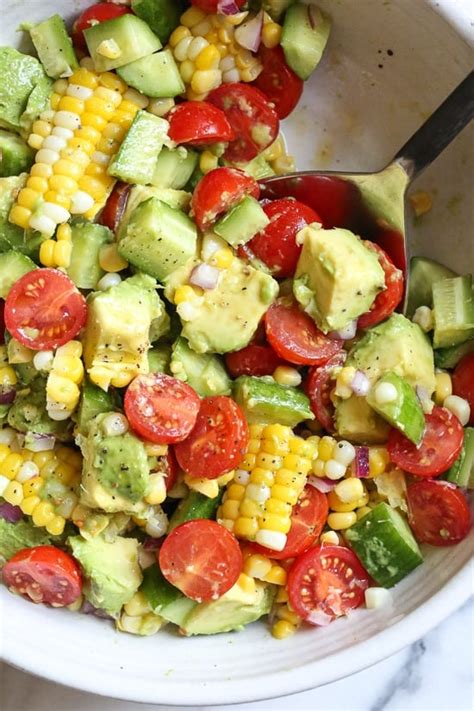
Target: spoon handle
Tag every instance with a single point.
(439, 130)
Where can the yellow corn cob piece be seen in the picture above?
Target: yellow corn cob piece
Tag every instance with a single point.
(258, 502)
(69, 176)
(43, 484)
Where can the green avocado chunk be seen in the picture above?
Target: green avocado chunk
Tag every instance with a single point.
(157, 590)
(115, 472)
(13, 265)
(19, 74)
(195, 505)
(23, 534)
(94, 401)
(11, 236)
(15, 155)
(161, 15)
(385, 545)
(159, 358)
(304, 38)
(337, 277)
(264, 400)
(403, 412)
(38, 101)
(129, 36)
(396, 345)
(54, 47)
(28, 413)
(204, 372)
(111, 570)
(224, 319)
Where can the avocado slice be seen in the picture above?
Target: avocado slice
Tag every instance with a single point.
(204, 372)
(94, 401)
(15, 155)
(38, 101)
(11, 236)
(54, 47)
(19, 74)
(23, 534)
(304, 38)
(28, 412)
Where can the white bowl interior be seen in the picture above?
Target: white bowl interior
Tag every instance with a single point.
(354, 115)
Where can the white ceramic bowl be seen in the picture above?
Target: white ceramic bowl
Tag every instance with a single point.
(357, 110)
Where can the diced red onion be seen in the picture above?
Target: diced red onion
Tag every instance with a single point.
(249, 34)
(10, 513)
(227, 7)
(319, 618)
(152, 544)
(7, 396)
(360, 464)
(322, 483)
(39, 442)
(88, 609)
(205, 276)
(345, 334)
(360, 384)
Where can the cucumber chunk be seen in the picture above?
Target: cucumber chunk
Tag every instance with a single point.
(159, 358)
(174, 168)
(195, 505)
(54, 47)
(264, 400)
(87, 240)
(131, 37)
(94, 401)
(462, 471)
(161, 15)
(136, 158)
(157, 590)
(242, 223)
(13, 265)
(405, 412)
(424, 273)
(276, 8)
(204, 372)
(450, 357)
(156, 75)
(453, 305)
(385, 545)
(304, 38)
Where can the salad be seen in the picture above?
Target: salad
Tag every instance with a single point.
(212, 409)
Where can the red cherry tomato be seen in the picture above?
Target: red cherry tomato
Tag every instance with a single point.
(318, 387)
(212, 6)
(438, 450)
(168, 466)
(326, 582)
(307, 521)
(463, 381)
(295, 337)
(198, 123)
(387, 300)
(92, 16)
(218, 192)
(278, 82)
(160, 408)
(201, 558)
(44, 309)
(438, 512)
(44, 574)
(336, 201)
(254, 359)
(276, 244)
(115, 206)
(218, 441)
(2, 322)
(253, 118)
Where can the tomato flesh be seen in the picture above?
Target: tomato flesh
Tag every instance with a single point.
(219, 191)
(253, 119)
(201, 558)
(463, 381)
(160, 408)
(278, 82)
(296, 338)
(319, 386)
(307, 521)
(254, 359)
(44, 574)
(440, 447)
(115, 206)
(387, 300)
(2, 321)
(218, 441)
(44, 309)
(326, 582)
(198, 123)
(438, 512)
(276, 245)
(93, 15)
(212, 6)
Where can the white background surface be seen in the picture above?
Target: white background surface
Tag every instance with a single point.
(434, 674)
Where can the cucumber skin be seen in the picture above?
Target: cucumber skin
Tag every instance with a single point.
(157, 590)
(406, 413)
(424, 273)
(450, 357)
(451, 330)
(194, 506)
(368, 537)
(462, 471)
(272, 402)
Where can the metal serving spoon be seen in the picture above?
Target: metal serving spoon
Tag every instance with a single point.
(374, 203)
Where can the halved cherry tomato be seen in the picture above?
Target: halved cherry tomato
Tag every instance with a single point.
(2, 322)
(438, 450)
(276, 245)
(201, 558)
(218, 441)
(307, 521)
(278, 82)
(218, 192)
(160, 408)
(168, 466)
(387, 300)
(213, 6)
(463, 381)
(326, 582)
(318, 388)
(438, 512)
(115, 206)
(254, 359)
(44, 309)
(198, 123)
(336, 201)
(295, 337)
(92, 16)
(44, 574)
(253, 119)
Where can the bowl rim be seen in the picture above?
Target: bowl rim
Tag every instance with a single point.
(336, 666)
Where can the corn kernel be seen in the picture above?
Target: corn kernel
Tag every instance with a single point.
(62, 184)
(281, 508)
(246, 583)
(230, 509)
(363, 511)
(62, 390)
(13, 493)
(329, 538)
(349, 490)
(93, 120)
(285, 613)
(46, 253)
(56, 525)
(54, 100)
(208, 58)
(325, 448)
(222, 259)
(121, 380)
(58, 199)
(245, 527)
(193, 16)
(7, 377)
(283, 629)
(112, 81)
(29, 504)
(70, 103)
(138, 605)
(205, 80)
(272, 522)
(341, 521)
(284, 375)
(67, 168)
(271, 34)
(64, 233)
(11, 465)
(443, 389)
(249, 508)
(43, 514)
(257, 566)
(84, 77)
(42, 128)
(276, 575)
(62, 254)
(35, 142)
(282, 595)
(208, 161)
(41, 170)
(20, 216)
(378, 460)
